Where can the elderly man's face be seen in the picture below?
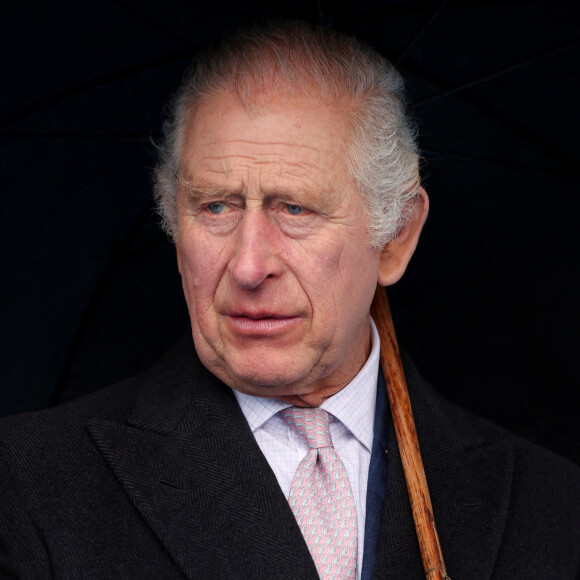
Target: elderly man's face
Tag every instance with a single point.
(272, 249)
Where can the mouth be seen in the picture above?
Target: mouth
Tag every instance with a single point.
(260, 325)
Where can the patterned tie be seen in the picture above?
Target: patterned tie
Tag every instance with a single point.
(321, 497)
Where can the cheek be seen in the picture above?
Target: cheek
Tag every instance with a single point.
(352, 275)
(340, 265)
(319, 273)
(202, 267)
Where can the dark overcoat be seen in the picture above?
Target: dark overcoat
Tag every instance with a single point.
(160, 477)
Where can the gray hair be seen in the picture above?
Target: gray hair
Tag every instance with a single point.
(298, 58)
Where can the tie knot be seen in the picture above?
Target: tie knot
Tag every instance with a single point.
(311, 423)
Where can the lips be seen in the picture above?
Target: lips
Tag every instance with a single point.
(257, 314)
(260, 324)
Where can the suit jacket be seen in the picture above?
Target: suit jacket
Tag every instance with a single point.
(160, 477)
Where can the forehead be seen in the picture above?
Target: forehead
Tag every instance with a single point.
(297, 137)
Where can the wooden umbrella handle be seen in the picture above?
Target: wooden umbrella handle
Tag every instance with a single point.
(407, 440)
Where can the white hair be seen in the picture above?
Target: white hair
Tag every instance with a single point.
(299, 58)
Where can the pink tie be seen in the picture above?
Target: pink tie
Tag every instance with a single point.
(321, 497)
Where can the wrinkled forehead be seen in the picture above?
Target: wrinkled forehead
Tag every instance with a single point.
(302, 114)
(288, 143)
(302, 119)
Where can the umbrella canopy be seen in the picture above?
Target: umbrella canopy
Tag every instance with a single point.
(488, 309)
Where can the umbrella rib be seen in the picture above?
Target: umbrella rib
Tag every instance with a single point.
(436, 154)
(96, 298)
(320, 13)
(30, 135)
(494, 74)
(561, 156)
(153, 23)
(158, 241)
(421, 32)
(123, 73)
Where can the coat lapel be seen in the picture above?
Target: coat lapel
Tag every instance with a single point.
(469, 473)
(191, 466)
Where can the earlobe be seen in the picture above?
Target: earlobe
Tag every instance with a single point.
(397, 254)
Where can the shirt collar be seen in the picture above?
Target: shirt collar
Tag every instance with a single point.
(353, 406)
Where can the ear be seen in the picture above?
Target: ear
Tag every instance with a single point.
(397, 253)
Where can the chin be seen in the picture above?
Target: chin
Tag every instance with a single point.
(268, 382)
(265, 373)
(255, 381)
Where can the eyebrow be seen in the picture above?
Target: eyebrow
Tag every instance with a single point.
(198, 191)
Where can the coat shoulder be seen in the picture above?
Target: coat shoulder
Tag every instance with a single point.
(505, 507)
(63, 510)
(542, 534)
(38, 429)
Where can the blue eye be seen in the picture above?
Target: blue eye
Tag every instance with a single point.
(216, 207)
(294, 209)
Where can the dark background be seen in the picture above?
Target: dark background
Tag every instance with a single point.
(90, 294)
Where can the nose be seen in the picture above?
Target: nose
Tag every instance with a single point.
(255, 257)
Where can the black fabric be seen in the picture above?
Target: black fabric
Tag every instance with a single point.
(159, 477)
